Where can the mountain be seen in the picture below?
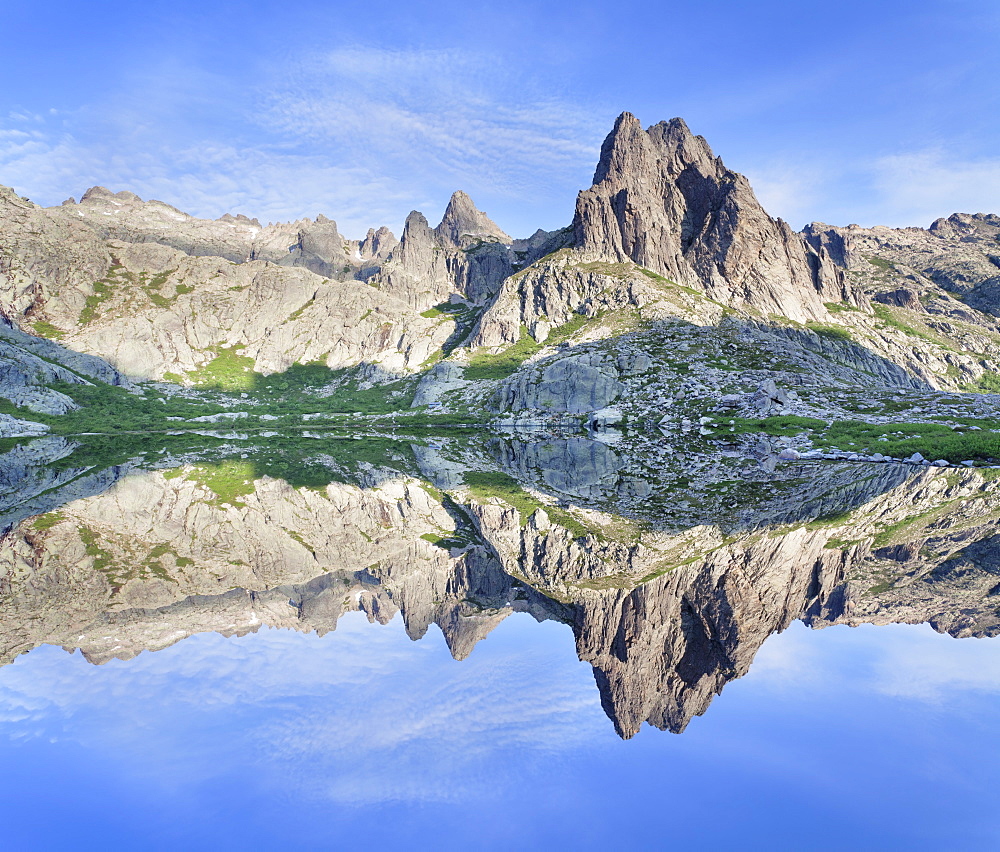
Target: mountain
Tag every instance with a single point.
(661, 199)
(669, 253)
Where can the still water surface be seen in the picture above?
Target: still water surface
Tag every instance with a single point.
(395, 656)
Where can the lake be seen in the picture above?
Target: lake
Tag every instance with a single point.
(320, 640)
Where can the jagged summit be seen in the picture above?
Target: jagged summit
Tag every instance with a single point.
(377, 243)
(463, 219)
(118, 276)
(97, 193)
(663, 200)
(627, 138)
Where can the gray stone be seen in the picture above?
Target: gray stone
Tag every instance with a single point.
(673, 181)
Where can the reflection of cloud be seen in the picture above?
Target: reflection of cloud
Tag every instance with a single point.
(930, 667)
(786, 659)
(360, 716)
(906, 661)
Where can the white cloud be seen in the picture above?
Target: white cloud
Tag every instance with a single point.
(361, 135)
(910, 188)
(440, 116)
(929, 667)
(788, 190)
(917, 187)
(205, 180)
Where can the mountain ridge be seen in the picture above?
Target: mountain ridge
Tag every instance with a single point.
(667, 238)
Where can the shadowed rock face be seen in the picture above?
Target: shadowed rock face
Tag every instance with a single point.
(661, 199)
(666, 618)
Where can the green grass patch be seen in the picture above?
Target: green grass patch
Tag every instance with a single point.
(487, 366)
(228, 480)
(832, 519)
(881, 263)
(46, 329)
(660, 279)
(782, 425)
(228, 370)
(840, 307)
(988, 382)
(834, 332)
(445, 542)
(486, 484)
(294, 315)
(102, 292)
(47, 521)
(102, 558)
(899, 440)
(891, 319)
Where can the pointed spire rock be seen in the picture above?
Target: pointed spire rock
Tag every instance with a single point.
(462, 220)
(377, 243)
(624, 146)
(663, 200)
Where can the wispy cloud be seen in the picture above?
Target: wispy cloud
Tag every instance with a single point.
(905, 189)
(205, 179)
(917, 187)
(363, 135)
(447, 118)
(788, 190)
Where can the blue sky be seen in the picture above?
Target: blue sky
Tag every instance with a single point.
(863, 112)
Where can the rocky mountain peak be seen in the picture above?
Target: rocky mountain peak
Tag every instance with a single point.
(624, 146)
(663, 200)
(674, 139)
(100, 193)
(416, 228)
(960, 225)
(463, 219)
(377, 243)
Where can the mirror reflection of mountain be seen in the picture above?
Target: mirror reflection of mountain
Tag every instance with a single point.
(670, 585)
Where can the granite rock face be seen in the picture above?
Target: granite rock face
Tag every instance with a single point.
(661, 199)
(575, 384)
(665, 232)
(123, 216)
(167, 299)
(463, 223)
(959, 254)
(29, 365)
(466, 257)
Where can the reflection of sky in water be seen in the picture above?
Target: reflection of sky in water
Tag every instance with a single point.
(837, 738)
